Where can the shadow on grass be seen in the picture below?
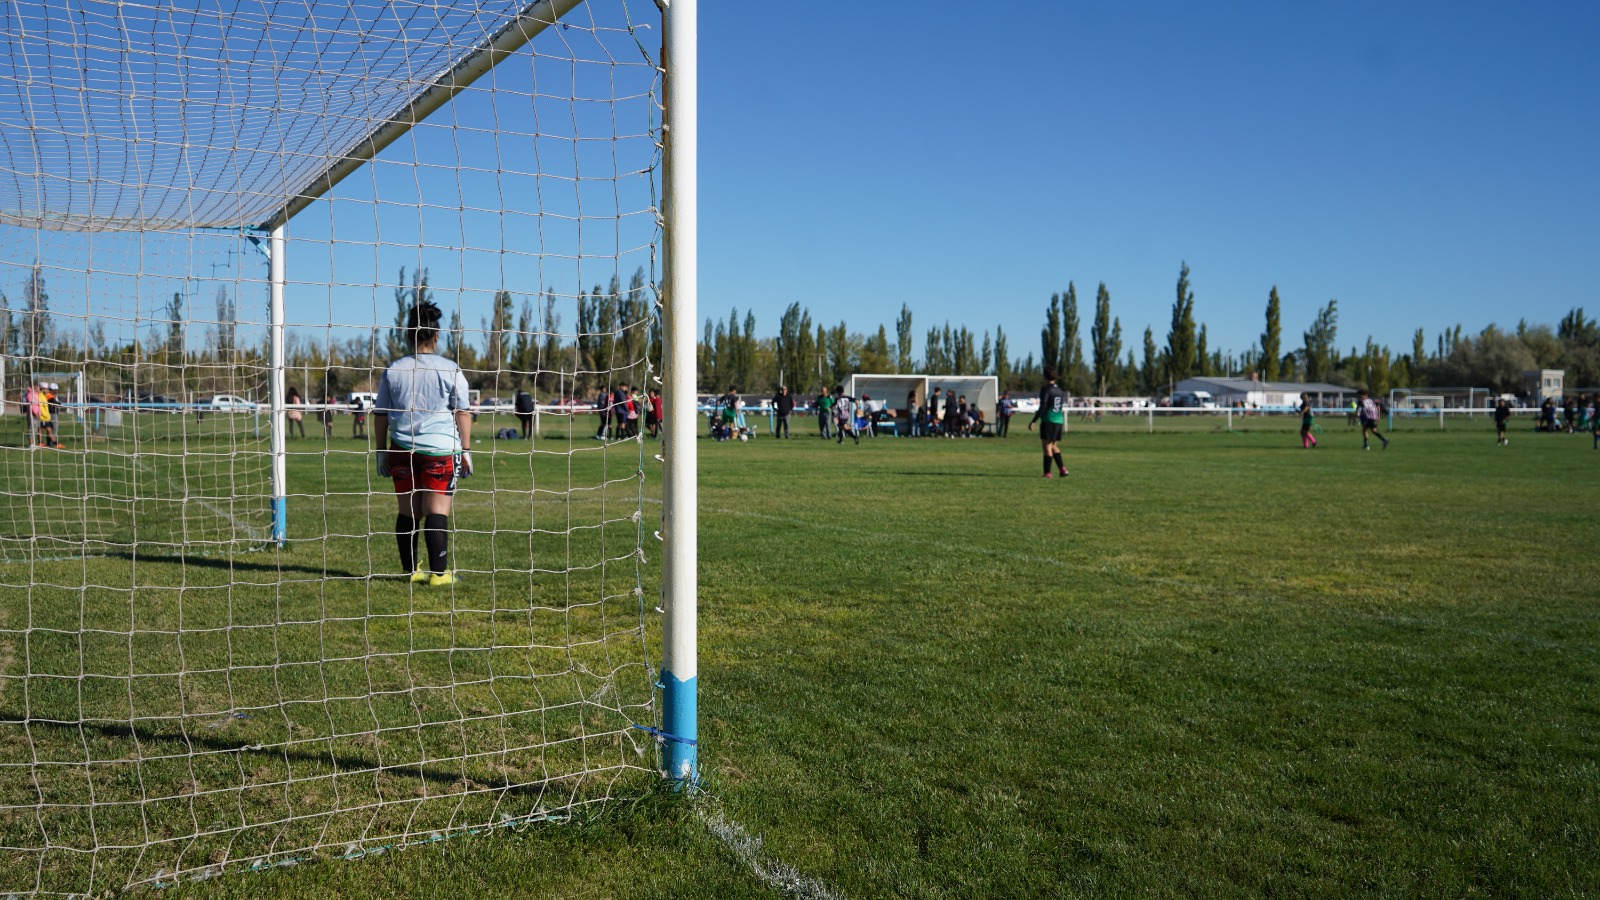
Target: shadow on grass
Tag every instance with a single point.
(183, 740)
(234, 564)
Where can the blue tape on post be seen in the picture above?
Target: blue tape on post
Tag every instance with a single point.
(280, 519)
(679, 722)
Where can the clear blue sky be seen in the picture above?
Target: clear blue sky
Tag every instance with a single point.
(1424, 164)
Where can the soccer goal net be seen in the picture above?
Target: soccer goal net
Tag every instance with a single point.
(214, 223)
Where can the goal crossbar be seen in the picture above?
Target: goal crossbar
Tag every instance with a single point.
(510, 37)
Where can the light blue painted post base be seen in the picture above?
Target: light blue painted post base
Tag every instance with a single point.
(280, 520)
(680, 754)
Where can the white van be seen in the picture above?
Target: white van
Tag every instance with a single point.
(1193, 400)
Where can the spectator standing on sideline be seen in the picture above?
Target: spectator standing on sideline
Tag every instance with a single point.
(358, 418)
(602, 405)
(30, 408)
(782, 405)
(655, 413)
(325, 416)
(951, 425)
(49, 415)
(1052, 409)
(1002, 414)
(824, 414)
(619, 412)
(631, 411)
(295, 414)
(523, 406)
(1368, 410)
(1502, 414)
(913, 427)
(1308, 421)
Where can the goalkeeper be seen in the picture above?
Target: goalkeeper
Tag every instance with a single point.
(423, 422)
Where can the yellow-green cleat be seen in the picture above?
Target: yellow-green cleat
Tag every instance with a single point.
(442, 580)
(420, 576)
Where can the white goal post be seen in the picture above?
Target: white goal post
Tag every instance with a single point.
(225, 645)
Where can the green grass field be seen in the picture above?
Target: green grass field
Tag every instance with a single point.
(1208, 663)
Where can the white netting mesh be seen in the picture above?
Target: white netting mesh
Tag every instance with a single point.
(179, 694)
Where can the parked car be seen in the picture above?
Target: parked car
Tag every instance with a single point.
(229, 403)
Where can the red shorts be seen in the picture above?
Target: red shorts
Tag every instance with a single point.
(420, 472)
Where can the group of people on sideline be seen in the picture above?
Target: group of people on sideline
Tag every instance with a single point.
(622, 408)
(941, 414)
(43, 409)
(295, 409)
(1573, 415)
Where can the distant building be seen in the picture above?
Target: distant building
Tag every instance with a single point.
(1253, 393)
(1541, 383)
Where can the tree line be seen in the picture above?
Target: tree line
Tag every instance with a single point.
(523, 345)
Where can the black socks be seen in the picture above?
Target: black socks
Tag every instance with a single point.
(436, 532)
(1059, 464)
(405, 534)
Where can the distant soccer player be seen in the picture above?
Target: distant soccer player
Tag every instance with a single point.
(1053, 409)
(423, 422)
(844, 415)
(1308, 422)
(1367, 408)
(1502, 414)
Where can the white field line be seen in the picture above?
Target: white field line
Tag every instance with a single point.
(747, 850)
(251, 532)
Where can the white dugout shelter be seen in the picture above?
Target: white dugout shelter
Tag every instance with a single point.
(980, 390)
